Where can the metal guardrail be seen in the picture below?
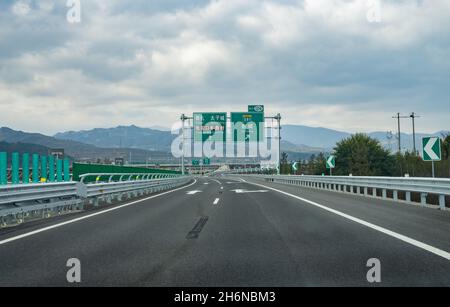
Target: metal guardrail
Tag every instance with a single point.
(362, 185)
(128, 176)
(41, 200)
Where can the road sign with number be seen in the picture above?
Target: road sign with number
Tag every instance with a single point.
(331, 162)
(195, 162)
(206, 161)
(256, 108)
(431, 149)
(210, 127)
(247, 127)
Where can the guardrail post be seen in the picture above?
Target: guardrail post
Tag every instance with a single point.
(374, 192)
(3, 168)
(25, 168)
(395, 197)
(384, 193)
(51, 168)
(442, 202)
(408, 197)
(423, 199)
(35, 168)
(59, 170)
(15, 168)
(366, 191)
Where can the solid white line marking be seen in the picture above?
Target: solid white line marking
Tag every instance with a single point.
(216, 201)
(89, 216)
(388, 232)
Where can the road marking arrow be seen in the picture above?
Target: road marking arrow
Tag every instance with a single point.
(240, 191)
(429, 149)
(193, 192)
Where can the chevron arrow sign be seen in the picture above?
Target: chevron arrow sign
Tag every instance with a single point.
(331, 162)
(431, 149)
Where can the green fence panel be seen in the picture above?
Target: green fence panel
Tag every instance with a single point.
(66, 170)
(35, 168)
(59, 170)
(43, 169)
(81, 169)
(3, 168)
(26, 168)
(15, 168)
(51, 169)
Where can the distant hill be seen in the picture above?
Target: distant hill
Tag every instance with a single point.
(122, 137)
(78, 150)
(313, 137)
(327, 138)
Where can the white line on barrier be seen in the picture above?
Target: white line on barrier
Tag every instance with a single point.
(89, 216)
(388, 232)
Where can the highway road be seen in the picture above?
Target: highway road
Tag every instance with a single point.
(220, 232)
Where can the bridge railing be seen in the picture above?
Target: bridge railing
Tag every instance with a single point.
(19, 202)
(383, 187)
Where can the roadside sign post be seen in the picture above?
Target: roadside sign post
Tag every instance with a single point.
(331, 164)
(432, 151)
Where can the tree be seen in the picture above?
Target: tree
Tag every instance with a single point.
(362, 155)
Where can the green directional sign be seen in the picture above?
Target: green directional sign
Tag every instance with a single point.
(247, 127)
(331, 162)
(210, 127)
(256, 108)
(431, 149)
(206, 161)
(195, 162)
(295, 166)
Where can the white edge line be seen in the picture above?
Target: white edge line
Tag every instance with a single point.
(28, 234)
(388, 232)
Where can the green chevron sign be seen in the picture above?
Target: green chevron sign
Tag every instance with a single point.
(431, 149)
(295, 166)
(331, 162)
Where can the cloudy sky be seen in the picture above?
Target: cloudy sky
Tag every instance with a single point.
(330, 63)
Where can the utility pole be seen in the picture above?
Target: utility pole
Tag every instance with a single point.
(413, 117)
(183, 119)
(278, 118)
(398, 117)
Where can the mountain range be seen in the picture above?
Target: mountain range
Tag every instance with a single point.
(141, 144)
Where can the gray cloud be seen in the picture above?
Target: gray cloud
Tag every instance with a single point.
(318, 62)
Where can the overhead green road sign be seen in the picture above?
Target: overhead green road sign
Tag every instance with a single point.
(206, 161)
(210, 127)
(256, 109)
(331, 162)
(195, 162)
(432, 149)
(248, 126)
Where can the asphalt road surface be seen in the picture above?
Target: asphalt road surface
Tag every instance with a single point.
(220, 232)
